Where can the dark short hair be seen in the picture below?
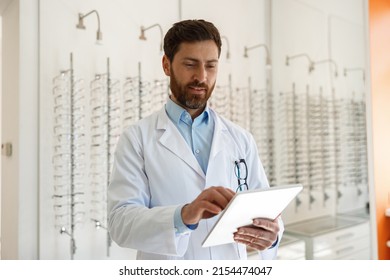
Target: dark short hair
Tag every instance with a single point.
(190, 31)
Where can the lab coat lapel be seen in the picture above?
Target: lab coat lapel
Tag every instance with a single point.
(221, 137)
(174, 141)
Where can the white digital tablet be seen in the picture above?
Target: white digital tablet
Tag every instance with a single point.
(247, 205)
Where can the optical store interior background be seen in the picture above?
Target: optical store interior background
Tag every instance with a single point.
(310, 79)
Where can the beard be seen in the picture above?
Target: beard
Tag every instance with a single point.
(185, 98)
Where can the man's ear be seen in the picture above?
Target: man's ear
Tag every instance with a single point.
(166, 64)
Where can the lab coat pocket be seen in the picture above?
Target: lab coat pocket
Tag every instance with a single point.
(221, 172)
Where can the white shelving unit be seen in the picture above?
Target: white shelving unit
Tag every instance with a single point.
(291, 248)
(334, 237)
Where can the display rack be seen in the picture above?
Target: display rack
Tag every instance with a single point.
(68, 154)
(240, 108)
(132, 90)
(221, 98)
(105, 130)
(261, 126)
(142, 98)
(291, 157)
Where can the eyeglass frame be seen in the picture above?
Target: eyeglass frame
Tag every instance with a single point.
(238, 176)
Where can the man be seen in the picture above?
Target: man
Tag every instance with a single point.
(177, 169)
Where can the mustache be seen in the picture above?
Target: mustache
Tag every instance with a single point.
(198, 84)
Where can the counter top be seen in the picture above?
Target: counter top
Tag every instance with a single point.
(318, 226)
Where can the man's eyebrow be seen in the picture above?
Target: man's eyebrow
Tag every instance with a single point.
(197, 60)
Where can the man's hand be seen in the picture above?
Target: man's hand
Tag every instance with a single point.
(260, 235)
(209, 203)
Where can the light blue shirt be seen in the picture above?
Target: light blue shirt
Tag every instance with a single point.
(198, 134)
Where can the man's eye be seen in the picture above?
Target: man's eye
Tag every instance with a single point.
(189, 65)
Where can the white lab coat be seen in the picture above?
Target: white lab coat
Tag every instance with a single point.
(155, 171)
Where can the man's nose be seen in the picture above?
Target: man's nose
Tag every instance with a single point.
(201, 74)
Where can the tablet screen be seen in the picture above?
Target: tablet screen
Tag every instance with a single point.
(248, 205)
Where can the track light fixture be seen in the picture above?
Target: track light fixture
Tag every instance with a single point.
(311, 63)
(80, 25)
(143, 37)
(328, 61)
(267, 58)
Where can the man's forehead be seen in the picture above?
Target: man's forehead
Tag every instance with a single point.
(198, 48)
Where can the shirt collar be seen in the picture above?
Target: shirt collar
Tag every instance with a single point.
(177, 113)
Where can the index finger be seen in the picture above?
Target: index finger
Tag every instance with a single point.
(226, 192)
(220, 195)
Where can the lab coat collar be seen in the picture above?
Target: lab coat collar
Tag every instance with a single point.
(174, 141)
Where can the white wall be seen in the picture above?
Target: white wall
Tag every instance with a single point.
(19, 126)
(3, 6)
(10, 99)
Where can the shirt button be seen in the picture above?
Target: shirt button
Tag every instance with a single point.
(197, 151)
